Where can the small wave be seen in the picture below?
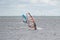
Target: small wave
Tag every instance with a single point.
(38, 28)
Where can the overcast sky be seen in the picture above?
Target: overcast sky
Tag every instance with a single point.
(35, 7)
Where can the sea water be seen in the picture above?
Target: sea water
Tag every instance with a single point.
(12, 28)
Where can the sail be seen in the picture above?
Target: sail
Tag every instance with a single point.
(30, 21)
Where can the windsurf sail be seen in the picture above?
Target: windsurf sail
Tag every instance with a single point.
(30, 21)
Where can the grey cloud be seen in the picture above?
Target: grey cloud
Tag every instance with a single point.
(8, 7)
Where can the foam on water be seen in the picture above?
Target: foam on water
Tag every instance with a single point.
(38, 28)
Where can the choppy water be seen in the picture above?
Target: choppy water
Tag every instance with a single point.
(12, 28)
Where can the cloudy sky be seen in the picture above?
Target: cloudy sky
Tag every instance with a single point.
(35, 7)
